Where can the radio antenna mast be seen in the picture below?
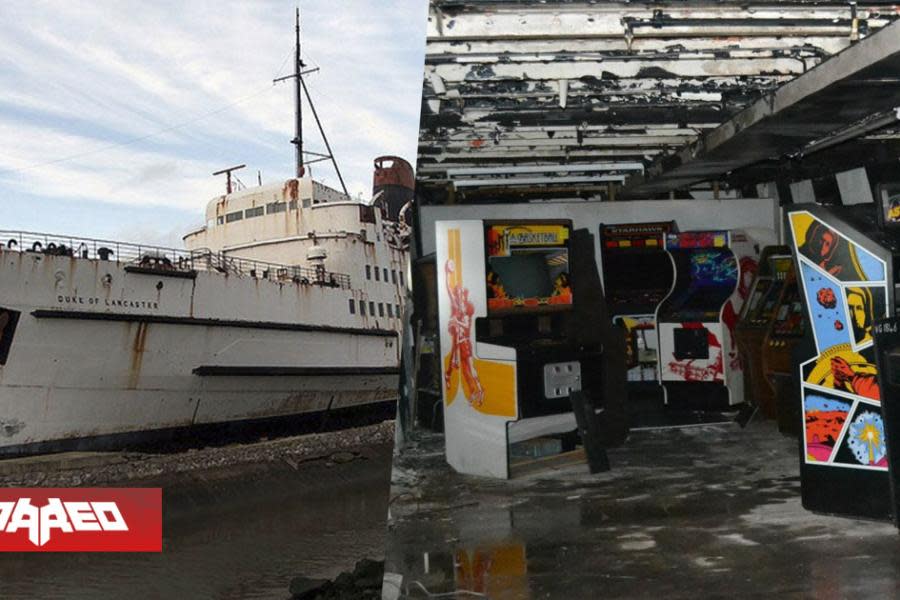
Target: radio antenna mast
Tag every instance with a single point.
(300, 91)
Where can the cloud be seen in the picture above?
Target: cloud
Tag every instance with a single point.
(150, 98)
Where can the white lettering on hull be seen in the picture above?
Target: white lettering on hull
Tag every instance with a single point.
(116, 302)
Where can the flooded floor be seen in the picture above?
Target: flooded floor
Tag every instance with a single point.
(242, 531)
(699, 512)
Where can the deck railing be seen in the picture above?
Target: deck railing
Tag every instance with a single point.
(158, 258)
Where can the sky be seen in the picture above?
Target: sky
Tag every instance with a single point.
(113, 115)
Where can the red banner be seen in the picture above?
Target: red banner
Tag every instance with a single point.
(80, 520)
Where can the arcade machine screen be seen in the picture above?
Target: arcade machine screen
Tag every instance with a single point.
(785, 333)
(764, 302)
(713, 275)
(756, 318)
(527, 269)
(637, 276)
(761, 289)
(888, 199)
(789, 318)
(633, 279)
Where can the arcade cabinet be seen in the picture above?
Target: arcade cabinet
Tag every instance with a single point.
(781, 343)
(757, 315)
(524, 336)
(698, 358)
(886, 334)
(637, 275)
(845, 265)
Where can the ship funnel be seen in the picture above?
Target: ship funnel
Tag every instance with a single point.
(395, 179)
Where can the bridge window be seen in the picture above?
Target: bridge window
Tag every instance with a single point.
(275, 207)
(352, 307)
(256, 211)
(234, 216)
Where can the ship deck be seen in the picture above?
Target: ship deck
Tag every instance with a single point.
(150, 258)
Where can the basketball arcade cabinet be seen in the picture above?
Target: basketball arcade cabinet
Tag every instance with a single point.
(637, 275)
(699, 363)
(523, 331)
(845, 267)
(757, 315)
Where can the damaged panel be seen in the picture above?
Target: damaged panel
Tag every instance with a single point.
(533, 83)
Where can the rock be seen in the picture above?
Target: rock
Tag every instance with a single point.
(342, 457)
(362, 583)
(344, 580)
(368, 573)
(304, 588)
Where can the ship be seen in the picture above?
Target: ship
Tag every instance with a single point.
(287, 301)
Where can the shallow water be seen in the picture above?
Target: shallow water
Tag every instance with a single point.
(244, 534)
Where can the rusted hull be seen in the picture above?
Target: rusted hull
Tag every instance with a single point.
(92, 351)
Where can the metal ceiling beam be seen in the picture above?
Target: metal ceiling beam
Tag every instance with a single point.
(452, 20)
(507, 181)
(812, 107)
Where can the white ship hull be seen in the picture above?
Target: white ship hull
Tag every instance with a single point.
(95, 348)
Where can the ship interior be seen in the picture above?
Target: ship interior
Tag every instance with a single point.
(716, 399)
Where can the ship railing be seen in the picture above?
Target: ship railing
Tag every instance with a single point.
(159, 258)
(146, 255)
(217, 261)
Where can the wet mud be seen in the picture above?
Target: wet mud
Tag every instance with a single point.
(238, 522)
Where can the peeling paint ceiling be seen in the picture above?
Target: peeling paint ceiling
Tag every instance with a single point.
(515, 89)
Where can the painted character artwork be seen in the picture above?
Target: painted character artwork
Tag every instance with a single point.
(866, 439)
(893, 210)
(825, 417)
(828, 251)
(861, 304)
(460, 330)
(561, 287)
(845, 292)
(495, 287)
(842, 369)
(858, 377)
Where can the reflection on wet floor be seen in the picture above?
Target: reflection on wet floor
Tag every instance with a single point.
(704, 511)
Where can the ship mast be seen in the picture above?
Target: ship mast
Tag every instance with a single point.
(300, 90)
(298, 108)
